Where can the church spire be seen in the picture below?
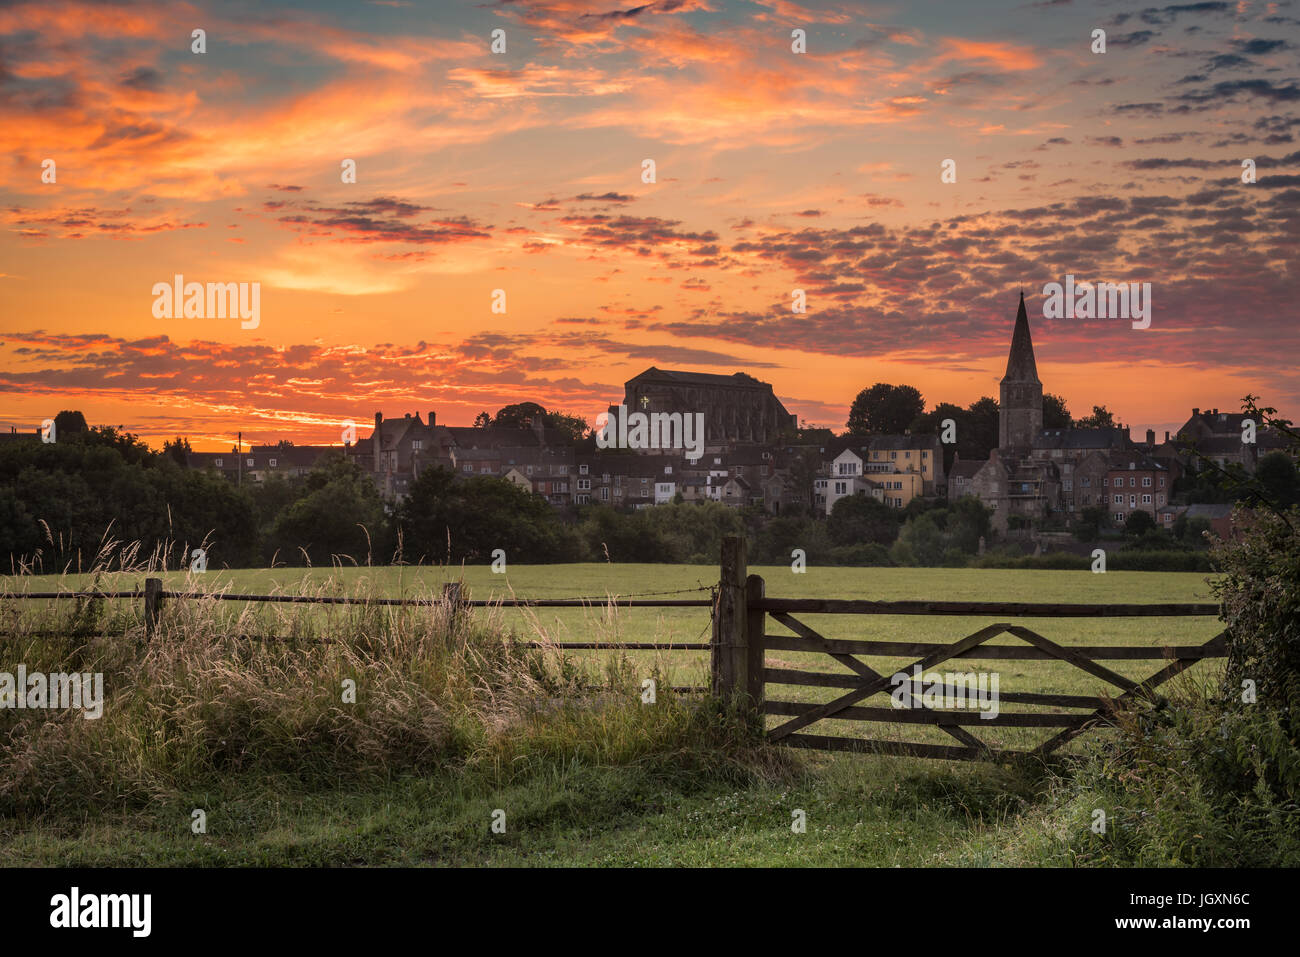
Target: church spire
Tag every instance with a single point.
(1020, 363)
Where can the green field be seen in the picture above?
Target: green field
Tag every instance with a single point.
(653, 809)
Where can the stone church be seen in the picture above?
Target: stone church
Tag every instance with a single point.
(1038, 473)
(738, 409)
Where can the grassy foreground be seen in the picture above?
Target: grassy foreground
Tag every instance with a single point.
(450, 725)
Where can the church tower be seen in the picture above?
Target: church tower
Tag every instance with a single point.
(1020, 417)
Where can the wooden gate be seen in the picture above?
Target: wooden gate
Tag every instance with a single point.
(741, 643)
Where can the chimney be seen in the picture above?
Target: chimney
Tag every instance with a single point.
(377, 442)
(1166, 435)
(1196, 411)
(1151, 436)
(433, 418)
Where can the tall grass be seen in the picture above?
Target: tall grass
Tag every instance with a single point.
(210, 697)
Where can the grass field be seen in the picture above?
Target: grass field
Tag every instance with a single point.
(585, 804)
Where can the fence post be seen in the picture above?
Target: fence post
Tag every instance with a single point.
(730, 651)
(153, 600)
(755, 625)
(451, 595)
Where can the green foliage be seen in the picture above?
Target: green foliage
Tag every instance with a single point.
(862, 519)
(1260, 592)
(75, 502)
(1055, 414)
(1279, 477)
(1139, 522)
(1101, 418)
(1201, 783)
(341, 518)
(943, 536)
(444, 519)
(884, 409)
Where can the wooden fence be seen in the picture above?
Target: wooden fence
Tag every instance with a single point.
(154, 597)
(740, 611)
(740, 672)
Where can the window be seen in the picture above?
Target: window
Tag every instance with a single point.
(1086, 482)
(1132, 501)
(1069, 485)
(272, 463)
(1105, 482)
(1132, 482)
(584, 499)
(1118, 516)
(1119, 499)
(417, 444)
(925, 454)
(528, 469)
(584, 485)
(249, 463)
(469, 468)
(1146, 499)
(604, 494)
(668, 470)
(1162, 481)
(893, 455)
(217, 462)
(563, 470)
(1146, 481)
(907, 455)
(485, 470)
(840, 487)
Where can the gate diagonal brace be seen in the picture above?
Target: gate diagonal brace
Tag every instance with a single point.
(881, 682)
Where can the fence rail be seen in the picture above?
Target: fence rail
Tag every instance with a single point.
(741, 641)
(739, 612)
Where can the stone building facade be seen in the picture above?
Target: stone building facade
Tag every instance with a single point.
(738, 409)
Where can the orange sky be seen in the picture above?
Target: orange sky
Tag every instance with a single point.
(522, 171)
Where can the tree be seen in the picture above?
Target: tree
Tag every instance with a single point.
(482, 420)
(1138, 523)
(574, 427)
(178, 450)
(341, 515)
(444, 519)
(1101, 418)
(981, 434)
(932, 423)
(1277, 474)
(70, 422)
(860, 518)
(885, 409)
(1055, 414)
(519, 415)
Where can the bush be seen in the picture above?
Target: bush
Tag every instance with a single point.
(1197, 784)
(1260, 592)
